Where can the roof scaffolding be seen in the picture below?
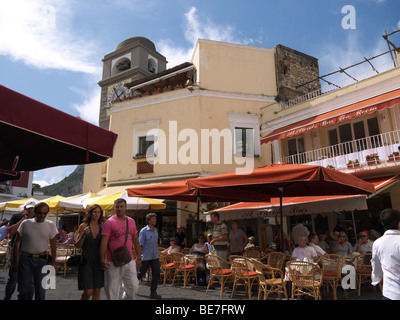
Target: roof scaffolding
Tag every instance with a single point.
(391, 46)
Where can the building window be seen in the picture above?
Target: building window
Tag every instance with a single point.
(245, 131)
(145, 135)
(244, 142)
(356, 136)
(152, 64)
(150, 67)
(146, 147)
(296, 150)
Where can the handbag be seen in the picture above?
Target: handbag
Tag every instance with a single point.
(121, 255)
(76, 260)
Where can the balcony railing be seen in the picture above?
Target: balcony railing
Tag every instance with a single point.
(339, 155)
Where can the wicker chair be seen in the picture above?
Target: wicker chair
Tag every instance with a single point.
(276, 283)
(306, 278)
(217, 273)
(186, 268)
(362, 264)
(274, 259)
(4, 255)
(62, 255)
(253, 252)
(243, 273)
(176, 260)
(332, 272)
(167, 268)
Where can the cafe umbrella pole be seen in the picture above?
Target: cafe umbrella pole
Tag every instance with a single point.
(281, 246)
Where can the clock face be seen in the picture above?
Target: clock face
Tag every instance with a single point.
(117, 93)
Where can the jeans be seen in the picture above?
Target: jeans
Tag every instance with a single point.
(155, 272)
(30, 271)
(117, 277)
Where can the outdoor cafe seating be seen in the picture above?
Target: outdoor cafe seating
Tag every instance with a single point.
(274, 260)
(362, 264)
(185, 267)
(243, 273)
(218, 274)
(62, 254)
(253, 252)
(332, 265)
(272, 282)
(4, 254)
(306, 278)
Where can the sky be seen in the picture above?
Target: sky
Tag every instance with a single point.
(52, 50)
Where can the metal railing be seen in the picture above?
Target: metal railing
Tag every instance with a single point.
(339, 155)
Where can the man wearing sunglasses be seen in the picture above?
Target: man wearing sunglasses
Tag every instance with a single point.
(31, 242)
(363, 245)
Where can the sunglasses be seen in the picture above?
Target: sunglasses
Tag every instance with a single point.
(362, 236)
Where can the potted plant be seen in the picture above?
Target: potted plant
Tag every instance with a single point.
(140, 156)
(329, 166)
(395, 156)
(372, 159)
(353, 164)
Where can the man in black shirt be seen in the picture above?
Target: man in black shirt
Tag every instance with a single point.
(181, 237)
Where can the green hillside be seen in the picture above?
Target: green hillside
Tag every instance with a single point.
(69, 186)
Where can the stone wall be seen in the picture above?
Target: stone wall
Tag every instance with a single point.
(293, 69)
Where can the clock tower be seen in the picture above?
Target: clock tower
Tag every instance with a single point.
(135, 58)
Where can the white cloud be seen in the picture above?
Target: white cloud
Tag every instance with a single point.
(207, 29)
(195, 29)
(39, 34)
(89, 108)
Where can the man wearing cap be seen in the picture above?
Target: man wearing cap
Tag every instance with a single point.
(31, 243)
(13, 226)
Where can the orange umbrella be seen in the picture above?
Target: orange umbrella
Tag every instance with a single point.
(289, 180)
(178, 190)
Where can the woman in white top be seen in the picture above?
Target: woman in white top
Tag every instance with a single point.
(200, 246)
(201, 249)
(172, 248)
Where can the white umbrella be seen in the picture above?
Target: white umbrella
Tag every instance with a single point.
(132, 203)
(77, 202)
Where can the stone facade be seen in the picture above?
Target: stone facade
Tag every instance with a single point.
(294, 68)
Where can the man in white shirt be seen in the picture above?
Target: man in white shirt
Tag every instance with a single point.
(35, 235)
(386, 256)
(303, 251)
(314, 239)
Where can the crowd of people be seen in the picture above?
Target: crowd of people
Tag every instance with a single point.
(117, 255)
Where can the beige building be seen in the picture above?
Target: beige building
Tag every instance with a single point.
(200, 118)
(354, 129)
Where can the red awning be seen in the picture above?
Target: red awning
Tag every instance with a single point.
(382, 183)
(292, 206)
(34, 136)
(368, 106)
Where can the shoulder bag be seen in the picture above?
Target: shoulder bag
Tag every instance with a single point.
(121, 256)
